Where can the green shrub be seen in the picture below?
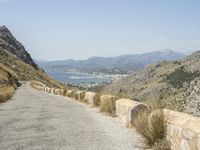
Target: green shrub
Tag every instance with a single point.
(179, 76)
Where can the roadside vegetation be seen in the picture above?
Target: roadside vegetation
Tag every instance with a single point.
(152, 126)
(181, 75)
(108, 104)
(8, 83)
(6, 93)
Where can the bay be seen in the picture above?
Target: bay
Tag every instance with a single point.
(76, 78)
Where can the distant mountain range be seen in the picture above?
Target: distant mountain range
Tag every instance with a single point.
(112, 65)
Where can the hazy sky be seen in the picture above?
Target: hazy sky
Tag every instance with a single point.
(63, 29)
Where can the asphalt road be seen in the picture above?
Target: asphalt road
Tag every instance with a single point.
(37, 120)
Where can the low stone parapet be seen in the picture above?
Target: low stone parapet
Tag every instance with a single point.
(79, 95)
(183, 131)
(57, 92)
(52, 91)
(47, 89)
(92, 98)
(70, 93)
(127, 110)
(61, 92)
(65, 92)
(38, 85)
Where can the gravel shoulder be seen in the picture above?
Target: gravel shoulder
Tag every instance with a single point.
(37, 120)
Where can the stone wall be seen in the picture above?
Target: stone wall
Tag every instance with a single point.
(183, 131)
(92, 98)
(127, 110)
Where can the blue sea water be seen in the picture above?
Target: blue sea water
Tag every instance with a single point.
(76, 78)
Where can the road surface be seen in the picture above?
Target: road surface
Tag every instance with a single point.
(36, 120)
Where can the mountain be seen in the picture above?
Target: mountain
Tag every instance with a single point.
(119, 64)
(176, 83)
(9, 43)
(16, 65)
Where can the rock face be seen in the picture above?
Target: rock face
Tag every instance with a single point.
(8, 42)
(192, 98)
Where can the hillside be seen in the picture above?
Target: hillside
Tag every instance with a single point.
(8, 83)
(112, 65)
(16, 65)
(9, 43)
(176, 83)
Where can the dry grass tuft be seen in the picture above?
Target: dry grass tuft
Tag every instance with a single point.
(6, 93)
(152, 125)
(75, 96)
(97, 100)
(108, 104)
(81, 96)
(163, 144)
(84, 100)
(65, 92)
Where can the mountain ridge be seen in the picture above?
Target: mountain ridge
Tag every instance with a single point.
(121, 64)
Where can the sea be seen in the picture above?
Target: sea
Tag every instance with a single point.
(77, 78)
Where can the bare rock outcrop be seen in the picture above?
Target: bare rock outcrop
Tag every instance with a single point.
(192, 98)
